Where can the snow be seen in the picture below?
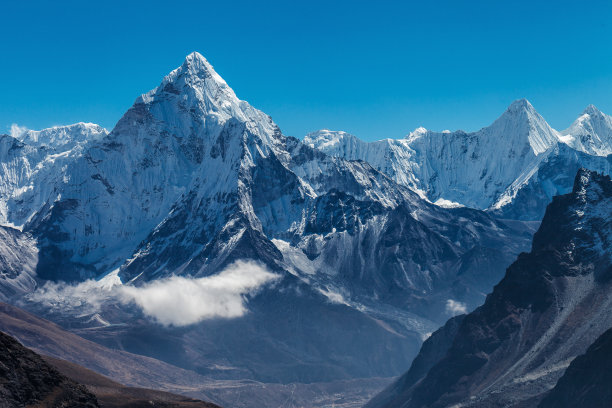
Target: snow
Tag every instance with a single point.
(59, 138)
(441, 202)
(484, 169)
(591, 133)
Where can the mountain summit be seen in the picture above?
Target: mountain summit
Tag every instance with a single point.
(591, 133)
(521, 123)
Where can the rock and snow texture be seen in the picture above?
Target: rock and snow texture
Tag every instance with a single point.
(18, 260)
(591, 133)
(490, 168)
(551, 305)
(59, 138)
(192, 179)
(32, 165)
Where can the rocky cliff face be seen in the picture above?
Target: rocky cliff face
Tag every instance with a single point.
(551, 305)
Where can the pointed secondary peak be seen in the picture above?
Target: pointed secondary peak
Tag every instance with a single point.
(591, 110)
(521, 123)
(521, 104)
(416, 133)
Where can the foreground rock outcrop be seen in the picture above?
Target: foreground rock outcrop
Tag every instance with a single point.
(27, 380)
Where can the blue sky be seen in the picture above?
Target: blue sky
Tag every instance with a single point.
(375, 69)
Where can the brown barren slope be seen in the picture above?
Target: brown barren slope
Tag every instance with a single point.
(111, 394)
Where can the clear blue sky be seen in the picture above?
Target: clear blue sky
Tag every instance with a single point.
(375, 69)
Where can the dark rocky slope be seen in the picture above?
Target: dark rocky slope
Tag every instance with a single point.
(587, 382)
(27, 380)
(551, 305)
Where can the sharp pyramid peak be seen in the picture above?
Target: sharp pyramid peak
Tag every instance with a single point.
(591, 110)
(522, 123)
(195, 62)
(195, 77)
(521, 104)
(195, 56)
(195, 65)
(521, 110)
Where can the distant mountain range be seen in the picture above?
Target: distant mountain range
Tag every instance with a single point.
(196, 233)
(512, 168)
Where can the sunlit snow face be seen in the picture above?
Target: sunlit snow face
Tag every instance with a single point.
(174, 301)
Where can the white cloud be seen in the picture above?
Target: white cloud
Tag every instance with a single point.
(173, 301)
(17, 131)
(455, 308)
(179, 301)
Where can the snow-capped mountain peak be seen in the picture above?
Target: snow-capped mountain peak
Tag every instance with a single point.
(590, 133)
(591, 110)
(195, 81)
(524, 124)
(194, 96)
(520, 104)
(417, 133)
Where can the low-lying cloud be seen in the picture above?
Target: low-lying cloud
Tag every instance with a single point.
(455, 308)
(179, 301)
(173, 301)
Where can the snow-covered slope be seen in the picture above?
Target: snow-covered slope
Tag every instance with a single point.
(393, 157)
(485, 169)
(591, 133)
(61, 138)
(18, 259)
(33, 164)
